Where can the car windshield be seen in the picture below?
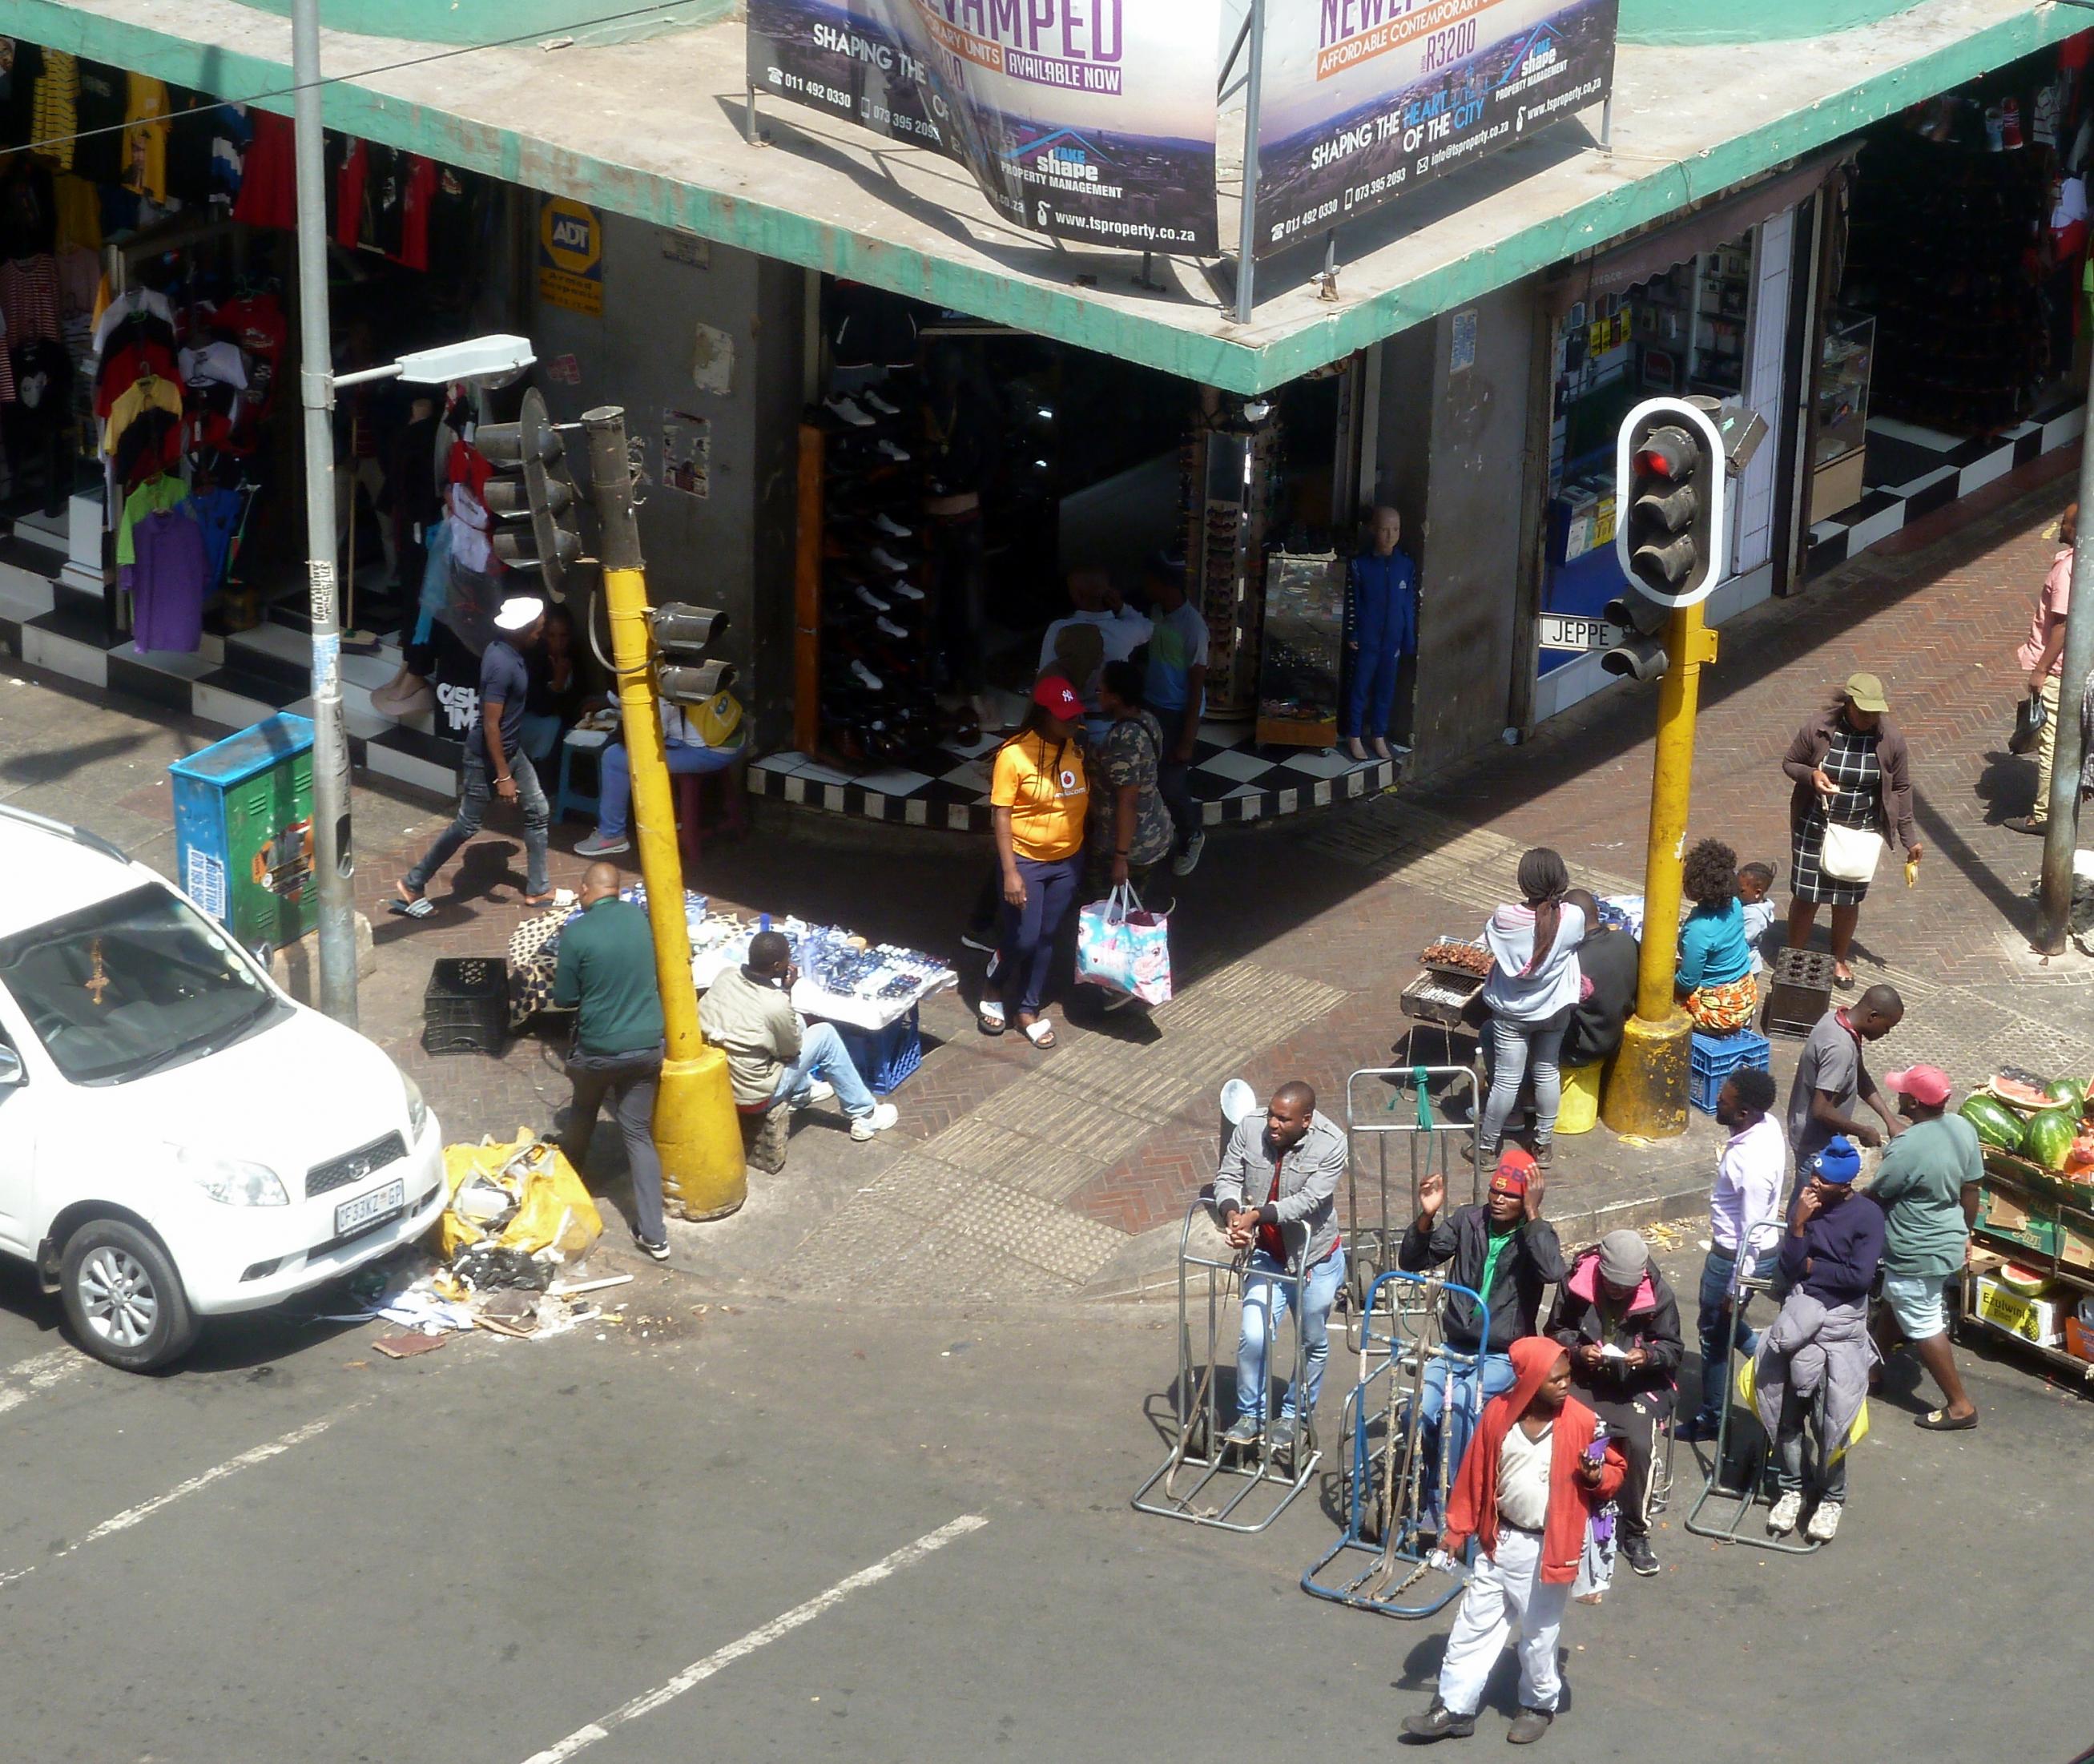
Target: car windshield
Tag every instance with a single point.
(131, 985)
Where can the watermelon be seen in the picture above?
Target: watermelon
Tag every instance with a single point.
(1997, 1125)
(2048, 1138)
(2067, 1094)
(2028, 1282)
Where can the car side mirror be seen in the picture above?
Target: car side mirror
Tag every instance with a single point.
(10, 1067)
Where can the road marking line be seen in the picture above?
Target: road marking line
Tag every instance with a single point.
(131, 1516)
(699, 1670)
(39, 1375)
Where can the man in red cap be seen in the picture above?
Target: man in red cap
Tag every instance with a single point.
(1504, 1250)
(1927, 1187)
(1539, 1468)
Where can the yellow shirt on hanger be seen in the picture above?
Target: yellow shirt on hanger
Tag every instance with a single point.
(145, 137)
(147, 392)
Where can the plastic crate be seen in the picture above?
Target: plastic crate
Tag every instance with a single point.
(885, 1056)
(466, 1007)
(1714, 1058)
(1800, 991)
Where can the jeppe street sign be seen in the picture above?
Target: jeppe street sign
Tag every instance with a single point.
(1567, 631)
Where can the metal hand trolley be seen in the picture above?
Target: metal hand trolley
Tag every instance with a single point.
(1752, 1466)
(1384, 1476)
(1199, 1423)
(1372, 1234)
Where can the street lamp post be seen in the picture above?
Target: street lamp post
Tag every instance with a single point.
(334, 858)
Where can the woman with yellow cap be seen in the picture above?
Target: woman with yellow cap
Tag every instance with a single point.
(1853, 791)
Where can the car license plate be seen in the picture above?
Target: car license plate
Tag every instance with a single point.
(380, 1203)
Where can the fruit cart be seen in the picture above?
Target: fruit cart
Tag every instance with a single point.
(2030, 1273)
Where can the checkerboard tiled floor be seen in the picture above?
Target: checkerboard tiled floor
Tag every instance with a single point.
(1234, 777)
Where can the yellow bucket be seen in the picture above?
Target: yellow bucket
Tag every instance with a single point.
(1581, 1098)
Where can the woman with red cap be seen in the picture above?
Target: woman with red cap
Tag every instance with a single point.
(1039, 796)
(1537, 1470)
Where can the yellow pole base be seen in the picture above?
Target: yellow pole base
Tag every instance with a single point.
(699, 1136)
(1648, 1090)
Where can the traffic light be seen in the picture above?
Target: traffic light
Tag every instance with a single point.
(1669, 467)
(542, 492)
(683, 672)
(1640, 654)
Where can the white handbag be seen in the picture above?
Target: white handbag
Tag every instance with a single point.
(1850, 854)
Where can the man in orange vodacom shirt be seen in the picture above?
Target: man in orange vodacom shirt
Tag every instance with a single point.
(1537, 1470)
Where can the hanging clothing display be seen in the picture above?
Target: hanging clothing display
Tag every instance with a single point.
(230, 134)
(155, 495)
(29, 298)
(146, 114)
(100, 111)
(268, 195)
(54, 104)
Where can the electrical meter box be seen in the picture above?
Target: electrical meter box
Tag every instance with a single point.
(244, 831)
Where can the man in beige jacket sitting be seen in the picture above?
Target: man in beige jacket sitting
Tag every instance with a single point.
(772, 1055)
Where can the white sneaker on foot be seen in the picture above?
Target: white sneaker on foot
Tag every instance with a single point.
(1787, 1511)
(1824, 1522)
(596, 845)
(883, 1116)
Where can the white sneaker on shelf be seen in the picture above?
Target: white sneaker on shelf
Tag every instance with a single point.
(883, 1116)
(848, 409)
(893, 528)
(871, 398)
(906, 590)
(899, 455)
(867, 597)
(1787, 1511)
(887, 625)
(886, 559)
(867, 678)
(1824, 1523)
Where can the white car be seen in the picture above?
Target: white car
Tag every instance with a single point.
(178, 1139)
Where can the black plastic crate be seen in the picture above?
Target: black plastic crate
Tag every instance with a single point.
(466, 1008)
(1800, 992)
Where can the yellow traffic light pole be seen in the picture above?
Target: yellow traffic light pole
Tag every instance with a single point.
(696, 1129)
(1647, 1094)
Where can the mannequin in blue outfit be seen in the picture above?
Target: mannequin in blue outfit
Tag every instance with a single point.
(1383, 610)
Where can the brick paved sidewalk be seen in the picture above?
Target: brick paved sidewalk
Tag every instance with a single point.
(1016, 1174)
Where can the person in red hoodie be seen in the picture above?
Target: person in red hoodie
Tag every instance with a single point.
(1538, 1467)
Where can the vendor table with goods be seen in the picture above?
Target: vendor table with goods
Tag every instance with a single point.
(2029, 1275)
(870, 991)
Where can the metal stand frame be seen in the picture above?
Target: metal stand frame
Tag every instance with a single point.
(1383, 1479)
(1746, 1492)
(1199, 1422)
(1373, 1236)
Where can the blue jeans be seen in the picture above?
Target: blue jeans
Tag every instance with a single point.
(541, 735)
(1715, 1306)
(1027, 946)
(1471, 1390)
(1266, 1297)
(475, 791)
(614, 793)
(823, 1054)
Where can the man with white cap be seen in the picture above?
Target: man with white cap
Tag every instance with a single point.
(1617, 1316)
(495, 764)
(1927, 1186)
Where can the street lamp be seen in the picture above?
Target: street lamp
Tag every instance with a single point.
(478, 359)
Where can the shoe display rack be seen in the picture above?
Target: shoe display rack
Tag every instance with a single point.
(1940, 253)
(1230, 475)
(877, 647)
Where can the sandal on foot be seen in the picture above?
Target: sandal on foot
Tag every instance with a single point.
(408, 905)
(2025, 824)
(1040, 1033)
(1940, 1421)
(989, 1019)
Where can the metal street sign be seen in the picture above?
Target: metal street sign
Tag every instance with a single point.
(1564, 631)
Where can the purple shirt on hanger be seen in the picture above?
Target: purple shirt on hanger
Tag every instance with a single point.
(167, 582)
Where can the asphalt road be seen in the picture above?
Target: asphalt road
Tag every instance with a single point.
(897, 1536)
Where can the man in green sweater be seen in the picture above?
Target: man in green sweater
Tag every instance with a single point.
(606, 977)
(1927, 1186)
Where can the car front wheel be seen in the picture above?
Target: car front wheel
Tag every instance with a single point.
(123, 1297)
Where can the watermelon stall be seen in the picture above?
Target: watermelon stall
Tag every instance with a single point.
(2030, 1273)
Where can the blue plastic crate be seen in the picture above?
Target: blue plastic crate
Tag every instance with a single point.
(885, 1056)
(1714, 1058)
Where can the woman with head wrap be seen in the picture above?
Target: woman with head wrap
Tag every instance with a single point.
(1530, 992)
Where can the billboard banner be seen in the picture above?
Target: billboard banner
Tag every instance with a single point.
(1366, 100)
(1090, 119)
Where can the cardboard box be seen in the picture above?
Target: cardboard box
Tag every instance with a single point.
(2033, 1319)
(2078, 1339)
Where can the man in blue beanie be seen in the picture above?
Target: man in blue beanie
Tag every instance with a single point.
(1813, 1362)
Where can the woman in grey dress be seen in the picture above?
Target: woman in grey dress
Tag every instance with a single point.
(1851, 767)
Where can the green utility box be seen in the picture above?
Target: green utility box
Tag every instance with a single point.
(244, 831)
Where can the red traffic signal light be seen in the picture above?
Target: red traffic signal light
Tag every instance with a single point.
(1668, 492)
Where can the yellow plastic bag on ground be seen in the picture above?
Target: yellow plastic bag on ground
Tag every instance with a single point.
(553, 1210)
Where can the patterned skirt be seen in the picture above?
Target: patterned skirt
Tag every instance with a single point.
(1806, 880)
(1726, 1009)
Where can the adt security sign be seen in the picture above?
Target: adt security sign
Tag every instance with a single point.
(570, 255)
